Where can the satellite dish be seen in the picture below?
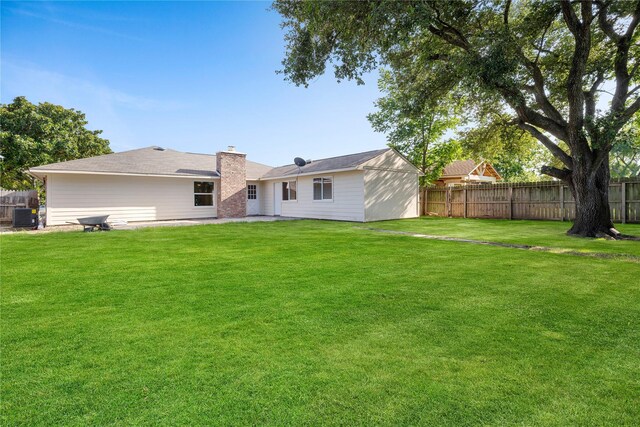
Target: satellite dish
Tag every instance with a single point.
(299, 161)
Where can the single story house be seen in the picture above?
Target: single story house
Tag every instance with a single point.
(155, 183)
(468, 172)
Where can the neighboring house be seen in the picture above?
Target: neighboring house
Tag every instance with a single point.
(468, 172)
(154, 183)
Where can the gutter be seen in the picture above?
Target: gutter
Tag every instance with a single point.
(40, 173)
(309, 173)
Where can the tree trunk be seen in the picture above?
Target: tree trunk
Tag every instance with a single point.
(423, 200)
(593, 214)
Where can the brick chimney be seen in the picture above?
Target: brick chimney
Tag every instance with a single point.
(232, 191)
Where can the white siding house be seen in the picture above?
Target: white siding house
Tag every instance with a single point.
(128, 198)
(157, 184)
(346, 202)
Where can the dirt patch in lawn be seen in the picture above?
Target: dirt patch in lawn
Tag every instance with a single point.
(626, 257)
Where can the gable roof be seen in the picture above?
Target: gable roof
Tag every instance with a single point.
(350, 161)
(462, 168)
(459, 168)
(149, 161)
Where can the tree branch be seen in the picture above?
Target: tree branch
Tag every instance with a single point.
(631, 110)
(570, 17)
(602, 152)
(561, 174)
(590, 103)
(446, 36)
(605, 25)
(632, 91)
(505, 16)
(587, 12)
(448, 32)
(634, 22)
(582, 39)
(540, 95)
(621, 61)
(557, 152)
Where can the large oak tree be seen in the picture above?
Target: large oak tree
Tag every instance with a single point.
(545, 63)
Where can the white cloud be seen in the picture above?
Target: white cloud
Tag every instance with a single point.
(105, 107)
(32, 13)
(52, 85)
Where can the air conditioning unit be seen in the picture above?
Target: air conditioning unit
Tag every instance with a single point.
(25, 217)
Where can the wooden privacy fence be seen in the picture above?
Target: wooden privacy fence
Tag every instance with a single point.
(9, 200)
(548, 200)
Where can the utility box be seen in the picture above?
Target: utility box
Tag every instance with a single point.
(25, 218)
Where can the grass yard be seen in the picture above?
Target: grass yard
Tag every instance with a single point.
(311, 322)
(536, 233)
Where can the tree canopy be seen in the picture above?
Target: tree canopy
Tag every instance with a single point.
(33, 135)
(542, 64)
(625, 155)
(416, 132)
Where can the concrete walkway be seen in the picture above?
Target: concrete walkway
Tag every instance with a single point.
(186, 222)
(121, 225)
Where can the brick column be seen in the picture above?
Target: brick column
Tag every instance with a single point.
(232, 190)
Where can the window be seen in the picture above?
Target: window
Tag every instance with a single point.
(252, 192)
(289, 190)
(203, 193)
(322, 189)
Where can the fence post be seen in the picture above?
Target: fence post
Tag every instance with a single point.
(561, 201)
(465, 202)
(448, 202)
(510, 192)
(623, 211)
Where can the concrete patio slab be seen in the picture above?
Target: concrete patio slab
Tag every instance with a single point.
(143, 224)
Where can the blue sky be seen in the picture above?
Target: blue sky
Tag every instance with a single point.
(192, 76)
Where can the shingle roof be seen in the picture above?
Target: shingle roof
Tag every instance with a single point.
(151, 161)
(322, 165)
(155, 161)
(459, 168)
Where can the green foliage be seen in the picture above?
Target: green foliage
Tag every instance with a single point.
(33, 135)
(518, 59)
(415, 130)
(514, 153)
(625, 155)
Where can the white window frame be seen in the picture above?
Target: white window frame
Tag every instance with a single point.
(212, 194)
(289, 199)
(255, 192)
(313, 192)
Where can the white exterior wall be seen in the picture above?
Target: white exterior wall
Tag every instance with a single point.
(129, 198)
(347, 203)
(391, 188)
(266, 202)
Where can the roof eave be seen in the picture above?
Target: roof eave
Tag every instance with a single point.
(41, 173)
(271, 178)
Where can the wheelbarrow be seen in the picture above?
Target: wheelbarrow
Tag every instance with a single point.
(92, 223)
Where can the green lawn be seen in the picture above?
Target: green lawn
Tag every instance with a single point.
(311, 322)
(536, 233)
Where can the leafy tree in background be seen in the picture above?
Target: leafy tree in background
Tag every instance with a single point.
(32, 135)
(514, 153)
(416, 131)
(542, 63)
(625, 155)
